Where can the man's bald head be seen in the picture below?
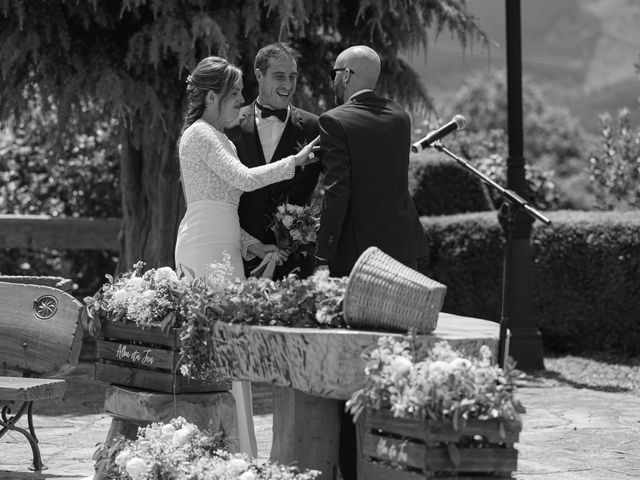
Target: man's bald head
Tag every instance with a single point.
(363, 64)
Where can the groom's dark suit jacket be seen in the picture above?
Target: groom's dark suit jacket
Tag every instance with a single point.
(257, 208)
(365, 145)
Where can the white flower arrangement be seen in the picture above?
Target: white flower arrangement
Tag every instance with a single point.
(178, 450)
(156, 297)
(445, 384)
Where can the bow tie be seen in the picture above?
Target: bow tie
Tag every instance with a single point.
(266, 112)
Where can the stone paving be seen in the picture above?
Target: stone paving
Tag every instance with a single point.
(569, 433)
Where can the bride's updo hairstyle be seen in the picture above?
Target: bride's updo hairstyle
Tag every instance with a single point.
(212, 74)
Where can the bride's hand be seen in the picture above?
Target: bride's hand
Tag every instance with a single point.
(308, 154)
(261, 250)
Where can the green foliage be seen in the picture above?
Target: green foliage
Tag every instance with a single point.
(50, 171)
(586, 275)
(615, 166)
(554, 142)
(442, 187)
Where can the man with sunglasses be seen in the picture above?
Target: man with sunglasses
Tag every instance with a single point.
(365, 142)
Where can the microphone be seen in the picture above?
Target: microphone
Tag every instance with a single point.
(457, 123)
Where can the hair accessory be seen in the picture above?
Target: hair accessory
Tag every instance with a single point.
(189, 78)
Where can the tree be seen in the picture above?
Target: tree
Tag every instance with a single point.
(128, 60)
(555, 145)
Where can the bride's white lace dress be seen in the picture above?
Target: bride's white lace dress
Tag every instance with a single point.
(213, 180)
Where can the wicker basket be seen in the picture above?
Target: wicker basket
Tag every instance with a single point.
(384, 293)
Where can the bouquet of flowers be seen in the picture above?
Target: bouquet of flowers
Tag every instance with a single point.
(146, 298)
(445, 384)
(295, 227)
(178, 450)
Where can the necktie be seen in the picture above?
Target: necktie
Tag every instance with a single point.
(266, 112)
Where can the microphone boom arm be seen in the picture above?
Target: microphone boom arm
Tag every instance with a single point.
(513, 198)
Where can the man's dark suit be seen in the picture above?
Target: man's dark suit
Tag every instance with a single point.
(365, 145)
(257, 208)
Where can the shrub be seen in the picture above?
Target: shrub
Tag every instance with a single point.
(586, 275)
(44, 171)
(442, 187)
(615, 167)
(555, 145)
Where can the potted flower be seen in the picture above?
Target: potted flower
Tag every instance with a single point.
(443, 414)
(137, 317)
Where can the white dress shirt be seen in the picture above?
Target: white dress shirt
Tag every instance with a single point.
(270, 130)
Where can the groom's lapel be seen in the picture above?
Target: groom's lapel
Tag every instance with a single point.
(290, 143)
(249, 137)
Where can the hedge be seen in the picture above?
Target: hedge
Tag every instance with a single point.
(439, 186)
(586, 275)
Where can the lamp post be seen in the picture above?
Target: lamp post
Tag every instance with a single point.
(525, 344)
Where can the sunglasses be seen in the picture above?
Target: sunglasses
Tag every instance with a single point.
(334, 71)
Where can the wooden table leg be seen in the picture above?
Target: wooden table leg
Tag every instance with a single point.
(306, 431)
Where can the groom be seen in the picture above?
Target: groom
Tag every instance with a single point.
(269, 129)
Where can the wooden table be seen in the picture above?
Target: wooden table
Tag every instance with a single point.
(315, 371)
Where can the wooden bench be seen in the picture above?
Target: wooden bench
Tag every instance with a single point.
(40, 336)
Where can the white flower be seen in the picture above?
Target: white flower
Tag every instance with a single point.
(181, 436)
(236, 466)
(122, 458)
(165, 273)
(168, 431)
(460, 363)
(281, 209)
(248, 475)
(287, 221)
(295, 234)
(120, 297)
(136, 283)
(401, 365)
(136, 468)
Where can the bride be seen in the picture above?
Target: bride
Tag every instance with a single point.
(213, 179)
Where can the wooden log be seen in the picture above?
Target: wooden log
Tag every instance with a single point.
(306, 431)
(40, 329)
(214, 411)
(327, 362)
(67, 233)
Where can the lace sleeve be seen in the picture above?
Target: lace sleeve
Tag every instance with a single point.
(225, 163)
(246, 241)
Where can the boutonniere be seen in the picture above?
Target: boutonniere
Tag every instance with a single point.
(299, 146)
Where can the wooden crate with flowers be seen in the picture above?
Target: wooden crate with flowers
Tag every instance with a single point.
(140, 322)
(445, 416)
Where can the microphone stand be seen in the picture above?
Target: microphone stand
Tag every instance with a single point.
(512, 203)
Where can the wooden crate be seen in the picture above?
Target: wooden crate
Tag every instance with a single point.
(405, 449)
(145, 358)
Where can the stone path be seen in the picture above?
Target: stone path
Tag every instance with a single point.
(568, 433)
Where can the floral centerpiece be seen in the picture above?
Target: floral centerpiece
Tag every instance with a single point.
(178, 450)
(444, 384)
(146, 298)
(447, 405)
